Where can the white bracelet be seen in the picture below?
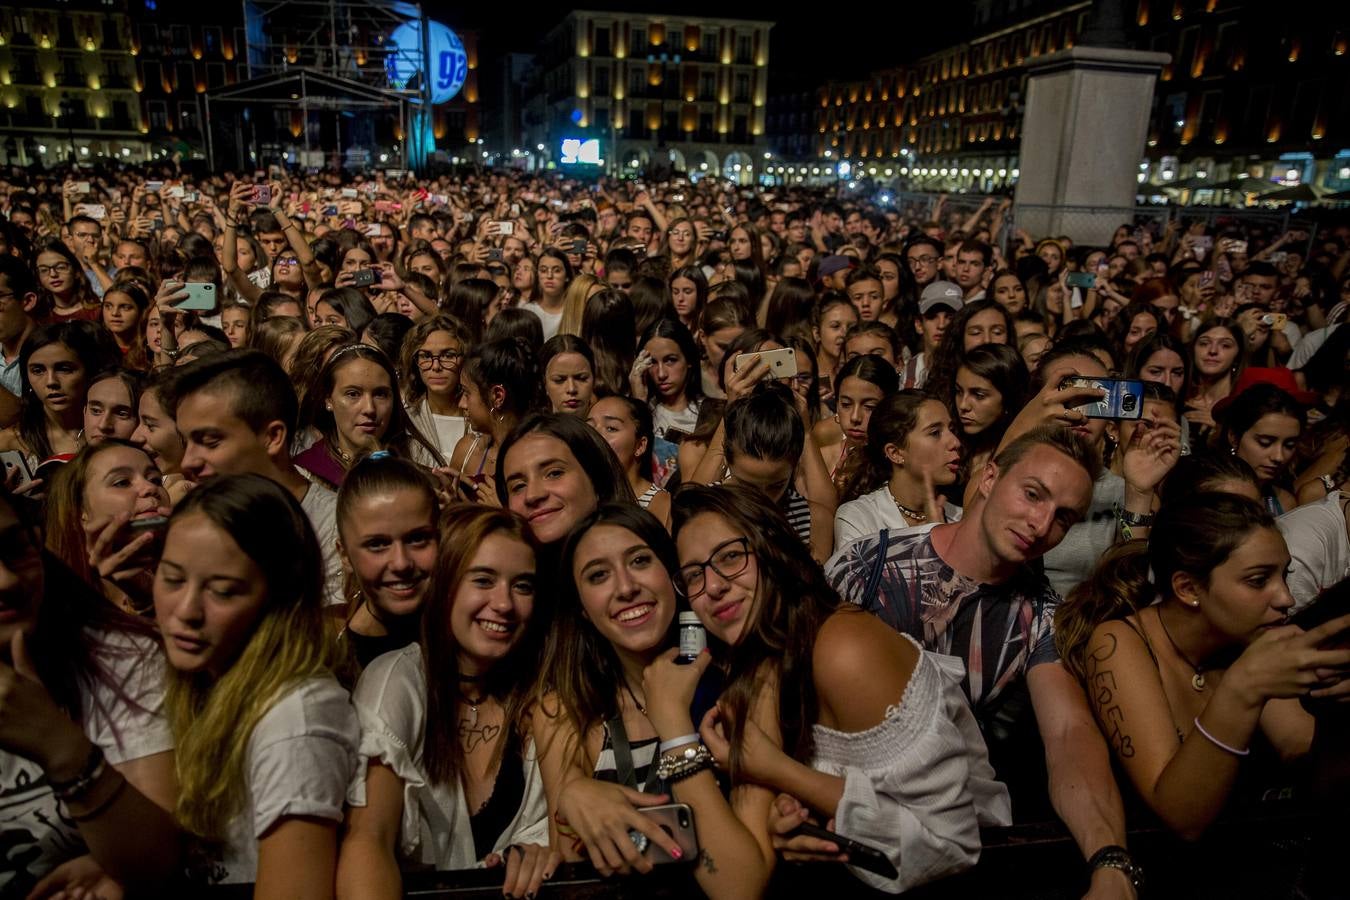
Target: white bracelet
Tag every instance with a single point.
(667, 746)
(1218, 743)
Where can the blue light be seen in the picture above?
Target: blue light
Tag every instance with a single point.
(449, 63)
(576, 117)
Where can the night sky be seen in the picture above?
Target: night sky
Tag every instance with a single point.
(806, 49)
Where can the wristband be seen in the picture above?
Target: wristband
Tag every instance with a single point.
(94, 766)
(1218, 743)
(1114, 856)
(667, 746)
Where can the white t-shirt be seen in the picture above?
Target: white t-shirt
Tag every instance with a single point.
(37, 836)
(391, 702)
(301, 757)
(1319, 548)
(549, 320)
(320, 505)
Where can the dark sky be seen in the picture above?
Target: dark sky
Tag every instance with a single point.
(807, 46)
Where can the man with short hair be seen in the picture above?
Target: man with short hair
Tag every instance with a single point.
(970, 589)
(866, 293)
(938, 305)
(640, 227)
(974, 264)
(922, 255)
(18, 302)
(422, 227)
(130, 253)
(1259, 284)
(237, 414)
(86, 234)
(949, 251)
(270, 234)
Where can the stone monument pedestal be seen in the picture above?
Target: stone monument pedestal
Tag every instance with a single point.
(1083, 135)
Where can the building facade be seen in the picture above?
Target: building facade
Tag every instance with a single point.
(661, 92)
(1248, 91)
(68, 83)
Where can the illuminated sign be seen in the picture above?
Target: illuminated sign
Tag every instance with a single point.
(580, 151)
(449, 62)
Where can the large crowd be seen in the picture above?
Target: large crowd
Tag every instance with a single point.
(356, 526)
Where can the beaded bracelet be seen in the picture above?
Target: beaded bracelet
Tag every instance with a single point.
(93, 769)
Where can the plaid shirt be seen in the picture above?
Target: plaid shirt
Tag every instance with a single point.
(999, 630)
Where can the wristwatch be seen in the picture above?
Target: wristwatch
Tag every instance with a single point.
(1113, 856)
(1137, 519)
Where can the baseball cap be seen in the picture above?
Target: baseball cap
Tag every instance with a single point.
(831, 264)
(940, 293)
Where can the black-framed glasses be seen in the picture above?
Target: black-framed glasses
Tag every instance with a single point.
(921, 260)
(728, 560)
(449, 359)
(54, 269)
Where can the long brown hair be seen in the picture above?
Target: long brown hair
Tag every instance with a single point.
(1194, 535)
(581, 670)
(65, 510)
(793, 602)
(464, 527)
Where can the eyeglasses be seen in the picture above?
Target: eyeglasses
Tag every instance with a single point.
(921, 261)
(287, 262)
(449, 359)
(60, 268)
(728, 559)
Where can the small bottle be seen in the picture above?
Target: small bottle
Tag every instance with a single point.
(693, 638)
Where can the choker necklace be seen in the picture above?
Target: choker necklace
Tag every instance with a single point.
(1198, 679)
(906, 511)
(632, 696)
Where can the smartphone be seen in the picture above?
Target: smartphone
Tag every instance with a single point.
(1206, 280)
(439, 199)
(676, 820)
(350, 194)
(506, 229)
(863, 856)
(192, 197)
(154, 187)
(261, 195)
(372, 230)
(151, 523)
(330, 210)
(1276, 321)
(1238, 247)
(578, 247)
(495, 254)
(1124, 397)
(201, 297)
(176, 192)
(1083, 280)
(93, 210)
(81, 187)
(364, 277)
(1278, 257)
(14, 461)
(781, 363)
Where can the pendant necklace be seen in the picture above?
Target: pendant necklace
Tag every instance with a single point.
(632, 696)
(1198, 679)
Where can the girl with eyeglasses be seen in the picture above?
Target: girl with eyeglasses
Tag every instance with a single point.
(431, 362)
(616, 717)
(857, 725)
(65, 292)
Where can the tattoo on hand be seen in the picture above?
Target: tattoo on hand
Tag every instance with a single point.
(1102, 687)
(706, 860)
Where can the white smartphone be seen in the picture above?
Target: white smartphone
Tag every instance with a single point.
(780, 363)
(14, 460)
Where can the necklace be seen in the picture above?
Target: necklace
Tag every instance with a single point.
(1198, 679)
(473, 705)
(906, 511)
(632, 696)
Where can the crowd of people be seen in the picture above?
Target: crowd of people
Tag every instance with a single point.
(362, 525)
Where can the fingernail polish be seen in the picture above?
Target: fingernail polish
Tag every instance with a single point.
(677, 853)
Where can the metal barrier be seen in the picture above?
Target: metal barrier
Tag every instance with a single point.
(1274, 856)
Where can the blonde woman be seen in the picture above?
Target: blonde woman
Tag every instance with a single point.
(268, 737)
(574, 302)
